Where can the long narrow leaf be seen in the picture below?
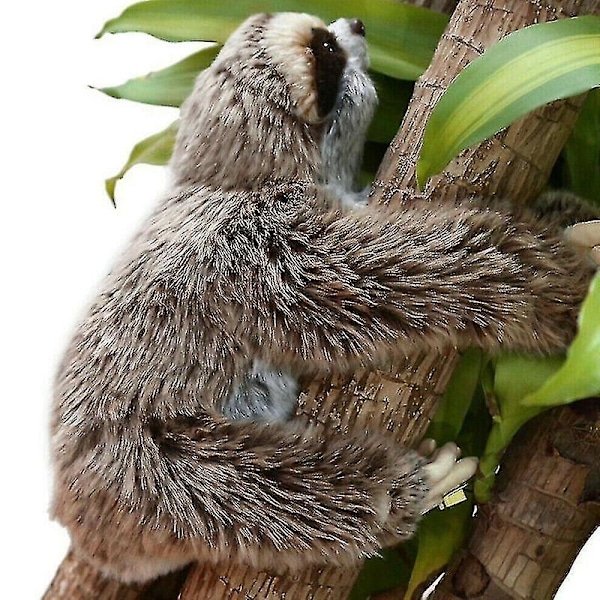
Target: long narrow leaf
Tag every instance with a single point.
(167, 87)
(579, 376)
(523, 71)
(154, 150)
(440, 535)
(450, 415)
(401, 37)
(515, 377)
(179, 20)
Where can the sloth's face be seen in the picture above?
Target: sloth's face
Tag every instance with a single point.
(350, 35)
(262, 110)
(341, 44)
(312, 57)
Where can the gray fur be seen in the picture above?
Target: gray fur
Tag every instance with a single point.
(249, 261)
(263, 395)
(343, 143)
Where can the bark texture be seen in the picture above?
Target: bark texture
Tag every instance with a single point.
(77, 580)
(547, 505)
(232, 582)
(403, 399)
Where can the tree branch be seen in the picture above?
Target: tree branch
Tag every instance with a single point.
(78, 580)
(547, 505)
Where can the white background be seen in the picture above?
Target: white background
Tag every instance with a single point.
(59, 234)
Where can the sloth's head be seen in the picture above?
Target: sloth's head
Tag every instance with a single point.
(308, 57)
(259, 112)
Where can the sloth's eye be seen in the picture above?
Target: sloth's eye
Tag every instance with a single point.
(323, 43)
(329, 62)
(330, 47)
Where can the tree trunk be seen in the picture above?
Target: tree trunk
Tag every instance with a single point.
(404, 399)
(546, 506)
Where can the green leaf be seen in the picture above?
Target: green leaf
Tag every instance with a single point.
(381, 573)
(515, 377)
(579, 376)
(394, 96)
(401, 37)
(582, 151)
(167, 87)
(440, 535)
(180, 20)
(473, 436)
(523, 71)
(154, 150)
(450, 416)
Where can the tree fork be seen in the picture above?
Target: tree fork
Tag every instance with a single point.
(404, 399)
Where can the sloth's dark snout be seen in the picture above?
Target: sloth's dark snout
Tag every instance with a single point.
(357, 27)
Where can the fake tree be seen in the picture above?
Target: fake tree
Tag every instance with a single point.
(523, 116)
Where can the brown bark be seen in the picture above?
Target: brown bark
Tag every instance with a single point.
(404, 399)
(232, 582)
(77, 580)
(546, 506)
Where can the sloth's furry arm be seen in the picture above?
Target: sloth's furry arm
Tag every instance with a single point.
(371, 282)
(265, 495)
(292, 495)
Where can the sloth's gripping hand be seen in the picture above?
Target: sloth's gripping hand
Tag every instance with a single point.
(586, 238)
(578, 220)
(445, 471)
